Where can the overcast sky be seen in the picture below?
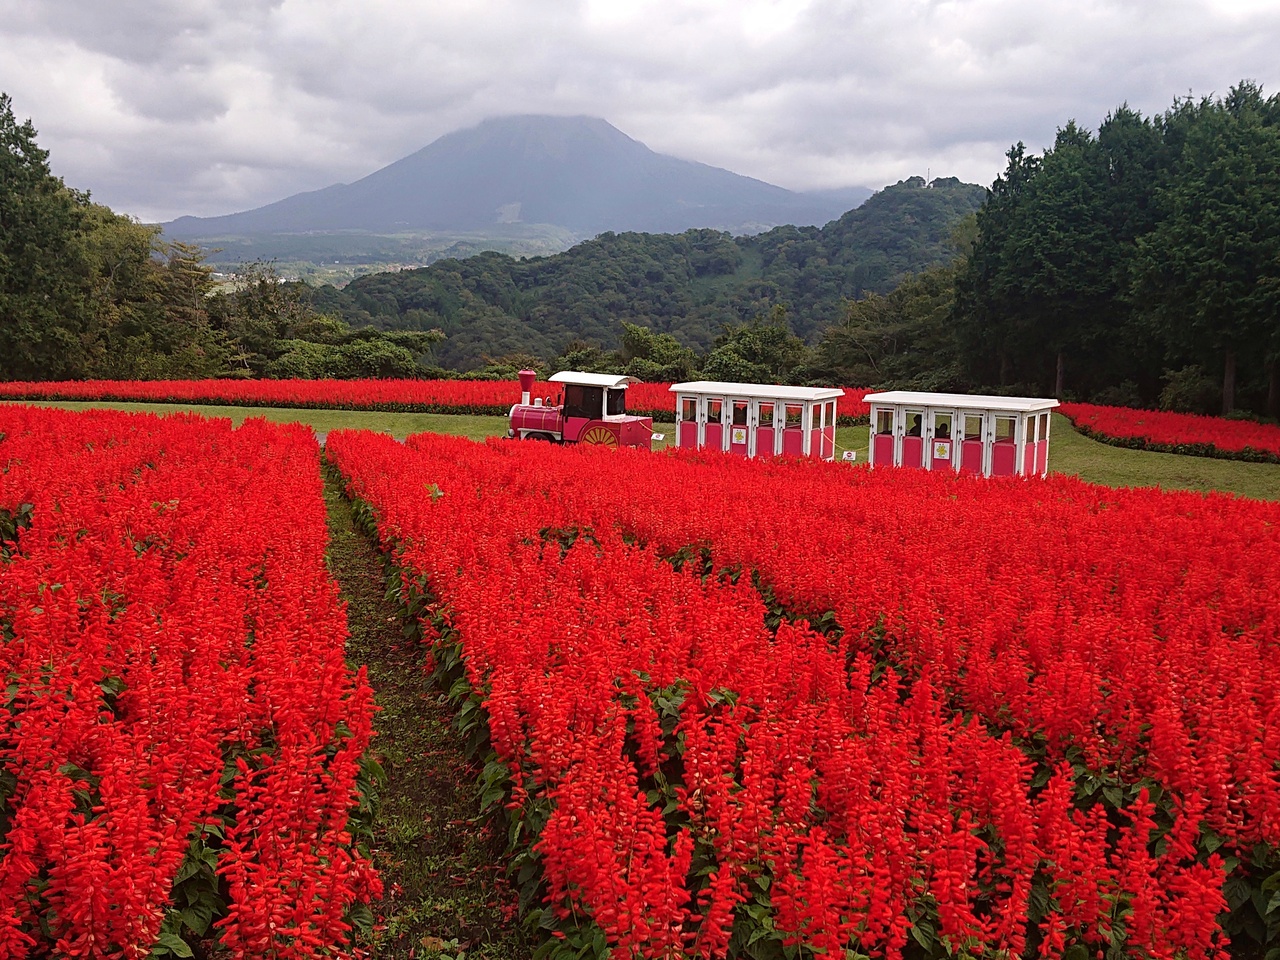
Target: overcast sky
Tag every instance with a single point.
(171, 107)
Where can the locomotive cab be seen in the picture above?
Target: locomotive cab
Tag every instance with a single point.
(594, 403)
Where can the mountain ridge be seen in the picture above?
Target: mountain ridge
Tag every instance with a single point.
(580, 174)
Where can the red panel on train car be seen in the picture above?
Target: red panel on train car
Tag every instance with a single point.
(913, 451)
(815, 442)
(573, 427)
(637, 432)
(884, 449)
(714, 437)
(764, 442)
(1004, 455)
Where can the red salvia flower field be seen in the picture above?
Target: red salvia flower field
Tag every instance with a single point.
(731, 708)
(493, 397)
(1186, 433)
(181, 737)
(1023, 717)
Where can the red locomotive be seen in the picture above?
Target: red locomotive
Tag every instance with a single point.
(593, 409)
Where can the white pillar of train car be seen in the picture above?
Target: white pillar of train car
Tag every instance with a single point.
(991, 436)
(757, 419)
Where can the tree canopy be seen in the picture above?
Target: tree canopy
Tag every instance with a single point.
(1147, 255)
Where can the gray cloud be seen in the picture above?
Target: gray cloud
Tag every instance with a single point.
(211, 106)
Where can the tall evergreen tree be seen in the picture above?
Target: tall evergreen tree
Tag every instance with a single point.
(986, 311)
(1063, 254)
(42, 295)
(1208, 271)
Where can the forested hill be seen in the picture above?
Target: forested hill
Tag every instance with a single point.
(688, 284)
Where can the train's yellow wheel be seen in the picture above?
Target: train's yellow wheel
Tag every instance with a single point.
(600, 436)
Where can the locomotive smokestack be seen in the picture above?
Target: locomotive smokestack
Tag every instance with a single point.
(526, 384)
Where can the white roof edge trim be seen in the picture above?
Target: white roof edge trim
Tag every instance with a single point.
(610, 380)
(757, 391)
(962, 401)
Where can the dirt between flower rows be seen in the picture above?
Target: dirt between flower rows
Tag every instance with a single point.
(446, 896)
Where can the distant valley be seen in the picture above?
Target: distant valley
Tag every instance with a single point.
(522, 185)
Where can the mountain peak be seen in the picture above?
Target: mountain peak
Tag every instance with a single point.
(533, 135)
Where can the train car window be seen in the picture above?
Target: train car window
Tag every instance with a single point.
(1004, 428)
(884, 421)
(973, 426)
(689, 408)
(617, 403)
(766, 414)
(714, 408)
(740, 413)
(580, 401)
(942, 426)
(794, 414)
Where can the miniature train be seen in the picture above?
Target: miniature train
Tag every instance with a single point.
(989, 436)
(593, 409)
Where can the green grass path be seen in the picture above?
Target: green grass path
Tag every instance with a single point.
(1072, 452)
(442, 871)
(322, 421)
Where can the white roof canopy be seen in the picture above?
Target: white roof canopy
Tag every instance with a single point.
(757, 391)
(959, 401)
(608, 380)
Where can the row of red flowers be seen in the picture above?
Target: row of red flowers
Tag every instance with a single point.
(1059, 611)
(1186, 433)
(1105, 656)
(491, 397)
(180, 738)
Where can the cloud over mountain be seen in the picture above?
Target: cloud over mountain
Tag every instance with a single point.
(205, 106)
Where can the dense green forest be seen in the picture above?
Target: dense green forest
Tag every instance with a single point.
(1141, 263)
(692, 285)
(1138, 265)
(85, 292)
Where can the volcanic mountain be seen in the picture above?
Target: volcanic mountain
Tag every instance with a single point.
(580, 174)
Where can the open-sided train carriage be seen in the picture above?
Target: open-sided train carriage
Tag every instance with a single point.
(991, 436)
